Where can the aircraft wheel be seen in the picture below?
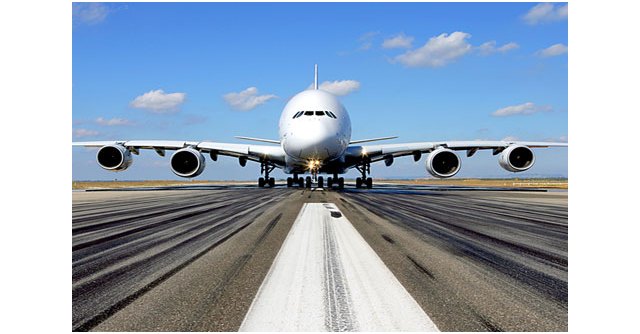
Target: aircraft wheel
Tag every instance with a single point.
(320, 182)
(300, 182)
(341, 183)
(261, 182)
(308, 181)
(289, 182)
(358, 182)
(329, 182)
(272, 182)
(369, 183)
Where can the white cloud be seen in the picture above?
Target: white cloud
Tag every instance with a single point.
(247, 99)
(438, 51)
(90, 13)
(521, 109)
(79, 133)
(546, 12)
(338, 87)
(366, 40)
(399, 41)
(113, 121)
(490, 47)
(158, 101)
(554, 50)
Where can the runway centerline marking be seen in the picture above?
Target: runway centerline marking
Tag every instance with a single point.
(326, 277)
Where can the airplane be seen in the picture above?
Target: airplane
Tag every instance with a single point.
(315, 139)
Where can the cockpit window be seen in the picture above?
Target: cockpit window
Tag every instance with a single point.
(319, 113)
(308, 113)
(331, 114)
(297, 114)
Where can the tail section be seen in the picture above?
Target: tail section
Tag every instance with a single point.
(315, 79)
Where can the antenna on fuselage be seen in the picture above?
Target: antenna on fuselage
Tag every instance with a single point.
(315, 78)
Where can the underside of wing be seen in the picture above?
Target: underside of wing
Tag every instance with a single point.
(188, 160)
(515, 156)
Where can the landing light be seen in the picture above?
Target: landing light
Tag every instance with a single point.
(314, 164)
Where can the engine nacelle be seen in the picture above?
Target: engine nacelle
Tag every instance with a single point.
(187, 162)
(114, 158)
(443, 163)
(516, 158)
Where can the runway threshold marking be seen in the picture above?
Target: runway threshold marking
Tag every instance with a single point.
(327, 278)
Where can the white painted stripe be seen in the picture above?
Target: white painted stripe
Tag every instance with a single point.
(327, 278)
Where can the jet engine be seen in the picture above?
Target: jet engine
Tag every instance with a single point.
(187, 162)
(516, 158)
(114, 158)
(443, 163)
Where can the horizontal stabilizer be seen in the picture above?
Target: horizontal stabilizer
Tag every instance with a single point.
(260, 140)
(373, 139)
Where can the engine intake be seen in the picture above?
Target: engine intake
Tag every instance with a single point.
(114, 157)
(443, 163)
(517, 158)
(187, 162)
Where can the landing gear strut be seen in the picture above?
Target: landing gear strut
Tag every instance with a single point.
(337, 180)
(266, 168)
(364, 180)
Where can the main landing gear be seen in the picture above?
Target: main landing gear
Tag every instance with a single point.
(339, 181)
(298, 181)
(265, 169)
(307, 181)
(364, 180)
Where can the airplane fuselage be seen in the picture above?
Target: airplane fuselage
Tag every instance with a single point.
(314, 129)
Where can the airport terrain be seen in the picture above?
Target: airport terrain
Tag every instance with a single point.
(194, 258)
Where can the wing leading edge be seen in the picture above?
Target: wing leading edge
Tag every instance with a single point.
(271, 153)
(375, 153)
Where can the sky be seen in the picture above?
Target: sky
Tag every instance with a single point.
(419, 71)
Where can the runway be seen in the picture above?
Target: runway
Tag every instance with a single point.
(194, 259)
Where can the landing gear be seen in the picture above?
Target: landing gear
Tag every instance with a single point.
(320, 182)
(289, 182)
(335, 180)
(308, 182)
(364, 180)
(266, 168)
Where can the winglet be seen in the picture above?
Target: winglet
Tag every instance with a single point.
(315, 78)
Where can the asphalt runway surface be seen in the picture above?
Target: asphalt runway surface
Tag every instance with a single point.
(194, 258)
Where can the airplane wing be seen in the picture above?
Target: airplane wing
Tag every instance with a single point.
(268, 153)
(372, 153)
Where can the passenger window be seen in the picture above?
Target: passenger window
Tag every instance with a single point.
(319, 113)
(308, 113)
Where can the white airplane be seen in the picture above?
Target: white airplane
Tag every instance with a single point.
(315, 138)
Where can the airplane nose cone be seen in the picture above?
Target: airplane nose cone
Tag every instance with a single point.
(312, 142)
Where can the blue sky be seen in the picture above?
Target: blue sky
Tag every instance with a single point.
(421, 71)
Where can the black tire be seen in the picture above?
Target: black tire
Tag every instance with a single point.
(272, 182)
(289, 182)
(369, 183)
(300, 182)
(341, 183)
(308, 181)
(358, 182)
(261, 182)
(320, 182)
(329, 182)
